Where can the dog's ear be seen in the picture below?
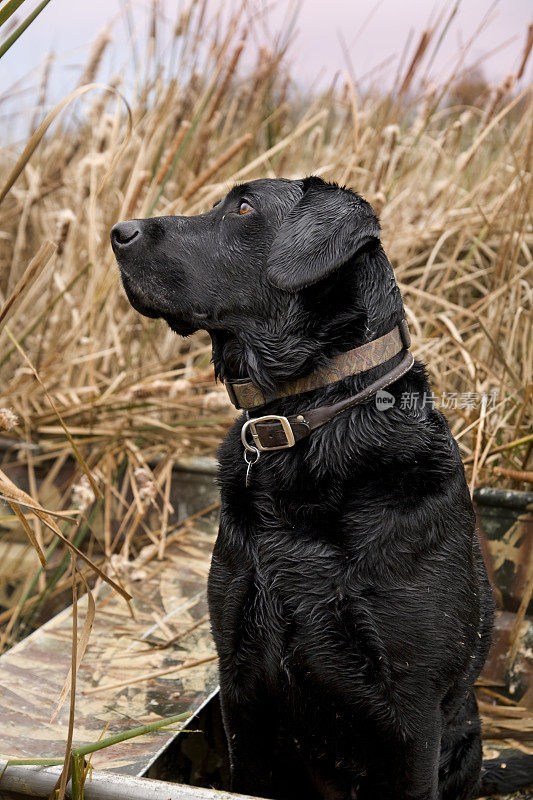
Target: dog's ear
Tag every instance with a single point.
(326, 228)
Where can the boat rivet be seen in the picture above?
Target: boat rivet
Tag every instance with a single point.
(300, 418)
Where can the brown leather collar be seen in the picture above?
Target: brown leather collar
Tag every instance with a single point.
(273, 432)
(244, 393)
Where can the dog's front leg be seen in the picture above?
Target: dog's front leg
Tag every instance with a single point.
(250, 737)
(422, 781)
(406, 768)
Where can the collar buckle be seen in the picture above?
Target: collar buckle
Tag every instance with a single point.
(269, 433)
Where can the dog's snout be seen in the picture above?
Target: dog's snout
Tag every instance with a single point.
(124, 233)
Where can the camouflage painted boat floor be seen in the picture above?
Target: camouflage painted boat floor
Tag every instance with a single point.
(169, 599)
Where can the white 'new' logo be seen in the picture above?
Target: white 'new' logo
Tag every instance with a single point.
(384, 400)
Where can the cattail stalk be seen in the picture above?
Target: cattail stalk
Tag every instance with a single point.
(219, 163)
(420, 51)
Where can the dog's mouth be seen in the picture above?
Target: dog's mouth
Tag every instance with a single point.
(146, 306)
(138, 299)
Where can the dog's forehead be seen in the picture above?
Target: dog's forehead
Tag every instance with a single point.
(267, 189)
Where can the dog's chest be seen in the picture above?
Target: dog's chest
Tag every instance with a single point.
(302, 606)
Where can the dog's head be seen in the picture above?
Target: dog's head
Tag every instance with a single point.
(263, 265)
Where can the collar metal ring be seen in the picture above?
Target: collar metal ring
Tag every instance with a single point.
(247, 446)
(249, 454)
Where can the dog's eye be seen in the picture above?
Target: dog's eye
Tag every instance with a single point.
(245, 208)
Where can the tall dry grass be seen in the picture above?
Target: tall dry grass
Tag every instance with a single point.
(84, 376)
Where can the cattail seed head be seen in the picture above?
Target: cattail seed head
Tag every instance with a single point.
(8, 419)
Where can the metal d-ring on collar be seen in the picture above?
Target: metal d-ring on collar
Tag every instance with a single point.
(251, 453)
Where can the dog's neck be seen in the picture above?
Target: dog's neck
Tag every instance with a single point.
(365, 304)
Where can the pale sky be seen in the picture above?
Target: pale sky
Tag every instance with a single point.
(373, 32)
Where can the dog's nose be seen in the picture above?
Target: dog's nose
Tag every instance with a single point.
(124, 233)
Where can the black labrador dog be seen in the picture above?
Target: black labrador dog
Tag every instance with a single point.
(349, 601)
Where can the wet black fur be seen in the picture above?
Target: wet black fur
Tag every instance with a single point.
(349, 601)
